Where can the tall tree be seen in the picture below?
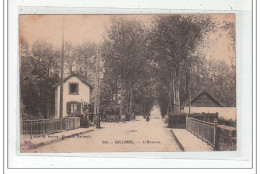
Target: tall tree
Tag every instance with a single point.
(123, 57)
(173, 40)
(38, 74)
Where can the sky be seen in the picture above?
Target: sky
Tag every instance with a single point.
(81, 28)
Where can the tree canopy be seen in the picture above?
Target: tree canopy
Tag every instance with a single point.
(140, 66)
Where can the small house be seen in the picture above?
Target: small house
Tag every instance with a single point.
(76, 92)
(206, 102)
(202, 102)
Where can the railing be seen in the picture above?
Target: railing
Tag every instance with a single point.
(206, 131)
(208, 117)
(47, 126)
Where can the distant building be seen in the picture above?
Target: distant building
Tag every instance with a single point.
(206, 102)
(200, 102)
(76, 92)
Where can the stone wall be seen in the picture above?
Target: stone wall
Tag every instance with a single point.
(226, 138)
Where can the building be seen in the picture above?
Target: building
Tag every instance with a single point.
(76, 92)
(206, 102)
(202, 99)
(202, 102)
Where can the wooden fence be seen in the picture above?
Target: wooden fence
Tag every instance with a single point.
(206, 131)
(47, 126)
(208, 117)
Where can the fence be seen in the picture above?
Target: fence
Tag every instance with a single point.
(208, 117)
(109, 118)
(47, 126)
(115, 118)
(206, 131)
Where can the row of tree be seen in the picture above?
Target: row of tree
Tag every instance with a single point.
(141, 67)
(161, 65)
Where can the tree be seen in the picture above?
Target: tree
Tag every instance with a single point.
(85, 59)
(124, 59)
(38, 74)
(173, 41)
(221, 83)
(231, 29)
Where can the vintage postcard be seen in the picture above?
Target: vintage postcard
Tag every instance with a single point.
(127, 83)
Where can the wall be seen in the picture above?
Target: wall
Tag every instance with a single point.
(226, 138)
(84, 95)
(225, 112)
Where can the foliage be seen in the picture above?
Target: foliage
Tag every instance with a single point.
(140, 67)
(125, 64)
(227, 122)
(38, 74)
(173, 40)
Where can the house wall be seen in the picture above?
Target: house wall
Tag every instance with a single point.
(225, 112)
(83, 96)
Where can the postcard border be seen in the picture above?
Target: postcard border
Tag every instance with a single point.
(7, 105)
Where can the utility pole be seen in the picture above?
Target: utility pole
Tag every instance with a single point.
(62, 69)
(95, 97)
(97, 91)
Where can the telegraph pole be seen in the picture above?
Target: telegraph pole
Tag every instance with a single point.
(62, 69)
(95, 97)
(97, 90)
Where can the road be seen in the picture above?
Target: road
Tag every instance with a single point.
(132, 136)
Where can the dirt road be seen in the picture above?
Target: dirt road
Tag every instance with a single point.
(132, 136)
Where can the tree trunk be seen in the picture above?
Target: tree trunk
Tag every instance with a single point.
(116, 88)
(47, 115)
(121, 105)
(145, 106)
(126, 103)
(177, 90)
(187, 84)
(142, 109)
(173, 93)
(131, 100)
(169, 110)
(121, 101)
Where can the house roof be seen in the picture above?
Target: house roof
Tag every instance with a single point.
(74, 75)
(195, 96)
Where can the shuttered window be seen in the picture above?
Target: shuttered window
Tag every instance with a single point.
(73, 107)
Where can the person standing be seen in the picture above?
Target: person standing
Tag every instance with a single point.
(85, 117)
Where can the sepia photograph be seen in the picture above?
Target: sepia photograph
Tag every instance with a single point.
(127, 83)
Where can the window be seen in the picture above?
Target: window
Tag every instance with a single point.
(74, 88)
(73, 107)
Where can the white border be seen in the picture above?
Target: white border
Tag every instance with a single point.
(240, 159)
